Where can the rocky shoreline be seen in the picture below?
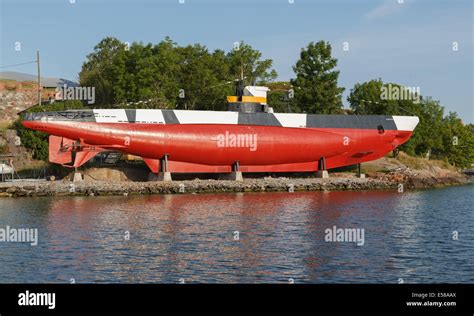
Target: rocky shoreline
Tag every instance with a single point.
(414, 180)
(125, 188)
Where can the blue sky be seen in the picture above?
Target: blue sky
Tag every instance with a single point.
(409, 43)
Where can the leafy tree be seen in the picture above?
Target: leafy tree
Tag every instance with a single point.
(427, 138)
(365, 99)
(97, 71)
(316, 89)
(373, 98)
(200, 80)
(169, 76)
(281, 97)
(458, 141)
(243, 59)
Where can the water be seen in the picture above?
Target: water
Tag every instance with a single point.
(191, 238)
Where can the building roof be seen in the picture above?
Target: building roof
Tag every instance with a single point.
(45, 81)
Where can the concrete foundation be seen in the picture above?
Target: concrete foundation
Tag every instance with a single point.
(77, 177)
(361, 176)
(234, 176)
(160, 176)
(323, 174)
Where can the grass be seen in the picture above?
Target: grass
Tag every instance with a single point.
(443, 164)
(369, 168)
(4, 125)
(413, 162)
(33, 170)
(423, 163)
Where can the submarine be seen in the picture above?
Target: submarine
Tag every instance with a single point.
(247, 138)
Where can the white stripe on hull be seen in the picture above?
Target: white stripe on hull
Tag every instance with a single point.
(206, 117)
(291, 119)
(110, 116)
(149, 116)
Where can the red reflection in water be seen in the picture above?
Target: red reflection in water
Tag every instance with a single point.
(194, 232)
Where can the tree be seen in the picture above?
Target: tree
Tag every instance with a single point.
(243, 59)
(427, 137)
(97, 71)
(281, 97)
(147, 72)
(364, 99)
(167, 75)
(316, 89)
(378, 98)
(201, 78)
(458, 141)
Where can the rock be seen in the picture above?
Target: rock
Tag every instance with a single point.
(12, 190)
(125, 188)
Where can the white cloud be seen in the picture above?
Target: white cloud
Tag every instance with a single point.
(389, 7)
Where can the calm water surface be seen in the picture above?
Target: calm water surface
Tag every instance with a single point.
(281, 236)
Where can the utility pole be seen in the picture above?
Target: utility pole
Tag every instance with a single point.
(39, 77)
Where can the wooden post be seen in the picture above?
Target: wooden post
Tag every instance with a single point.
(39, 77)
